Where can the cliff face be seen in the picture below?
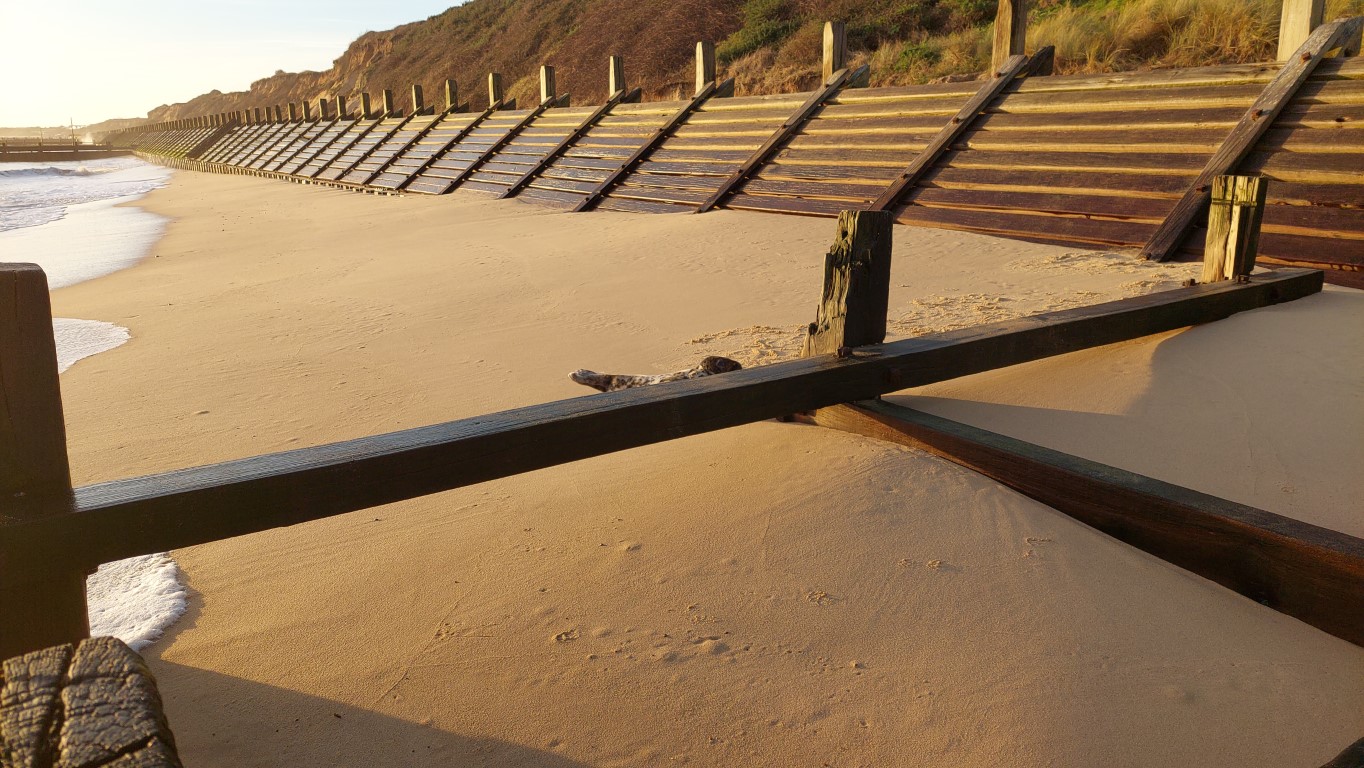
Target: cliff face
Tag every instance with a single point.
(513, 37)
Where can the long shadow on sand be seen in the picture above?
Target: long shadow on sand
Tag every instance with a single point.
(296, 730)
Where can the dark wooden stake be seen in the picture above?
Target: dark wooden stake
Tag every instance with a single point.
(835, 48)
(37, 609)
(852, 308)
(1011, 31)
(1238, 205)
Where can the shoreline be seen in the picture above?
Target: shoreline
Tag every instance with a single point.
(714, 599)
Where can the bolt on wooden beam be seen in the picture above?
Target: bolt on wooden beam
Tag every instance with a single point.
(1296, 21)
(1011, 30)
(1238, 205)
(705, 64)
(852, 308)
(835, 48)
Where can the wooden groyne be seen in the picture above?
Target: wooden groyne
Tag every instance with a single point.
(1103, 161)
(26, 151)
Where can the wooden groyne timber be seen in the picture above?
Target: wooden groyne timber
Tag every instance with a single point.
(38, 152)
(1101, 161)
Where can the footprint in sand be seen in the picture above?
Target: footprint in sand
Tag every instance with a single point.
(566, 636)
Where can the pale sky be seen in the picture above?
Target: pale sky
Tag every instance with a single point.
(89, 60)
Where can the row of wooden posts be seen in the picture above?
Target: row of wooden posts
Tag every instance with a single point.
(1297, 21)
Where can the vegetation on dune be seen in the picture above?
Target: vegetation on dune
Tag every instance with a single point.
(768, 46)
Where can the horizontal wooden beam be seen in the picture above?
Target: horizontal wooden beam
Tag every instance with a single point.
(191, 506)
(1311, 573)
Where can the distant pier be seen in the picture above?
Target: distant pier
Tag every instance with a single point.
(36, 152)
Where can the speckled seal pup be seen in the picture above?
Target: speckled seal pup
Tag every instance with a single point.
(610, 382)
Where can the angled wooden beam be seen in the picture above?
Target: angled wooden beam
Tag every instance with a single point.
(1014, 68)
(356, 139)
(1170, 235)
(563, 146)
(453, 142)
(193, 506)
(832, 85)
(320, 127)
(311, 148)
(1238, 204)
(378, 144)
(650, 144)
(502, 141)
(1311, 573)
(1010, 32)
(450, 108)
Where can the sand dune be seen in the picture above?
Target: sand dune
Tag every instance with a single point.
(773, 594)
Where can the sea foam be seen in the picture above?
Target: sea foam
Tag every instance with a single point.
(66, 217)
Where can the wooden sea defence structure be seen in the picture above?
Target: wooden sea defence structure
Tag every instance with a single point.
(1114, 161)
(38, 151)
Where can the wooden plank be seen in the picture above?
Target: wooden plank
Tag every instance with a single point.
(114, 520)
(1166, 241)
(454, 141)
(1004, 75)
(856, 294)
(510, 133)
(568, 141)
(354, 134)
(642, 152)
(832, 85)
(1311, 573)
(92, 706)
(1075, 230)
(1238, 204)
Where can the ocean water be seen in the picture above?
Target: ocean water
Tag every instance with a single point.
(65, 217)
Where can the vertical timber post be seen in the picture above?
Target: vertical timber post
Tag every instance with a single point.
(451, 95)
(341, 111)
(307, 110)
(548, 89)
(1238, 205)
(364, 106)
(495, 92)
(835, 48)
(1296, 21)
(418, 99)
(705, 64)
(615, 76)
(852, 307)
(293, 112)
(323, 109)
(386, 101)
(1011, 31)
(37, 610)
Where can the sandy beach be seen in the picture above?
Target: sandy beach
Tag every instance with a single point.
(774, 594)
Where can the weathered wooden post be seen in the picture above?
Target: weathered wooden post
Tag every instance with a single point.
(1296, 21)
(835, 48)
(258, 116)
(495, 93)
(705, 64)
(1238, 205)
(307, 111)
(1011, 30)
(341, 111)
(615, 77)
(366, 110)
(852, 308)
(36, 609)
(418, 99)
(293, 112)
(386, 101)
(548, 87)
(323, 108)
(451, 95)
